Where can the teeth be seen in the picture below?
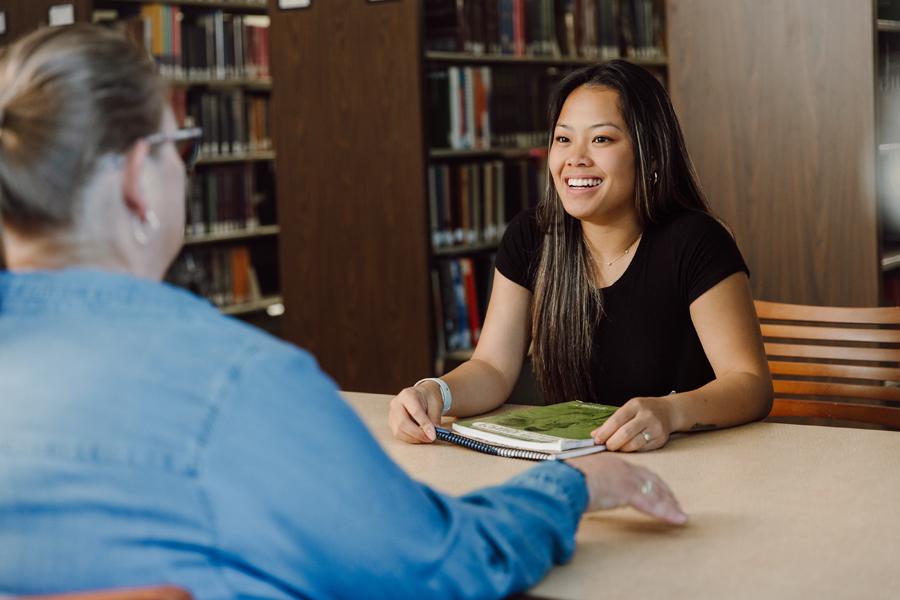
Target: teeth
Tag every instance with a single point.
(584, 182)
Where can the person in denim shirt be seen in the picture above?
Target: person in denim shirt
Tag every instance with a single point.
(146, 439)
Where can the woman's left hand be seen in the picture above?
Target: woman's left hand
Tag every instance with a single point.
(641, 424)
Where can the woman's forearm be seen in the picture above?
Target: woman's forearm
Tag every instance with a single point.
(733, 399)
(477, 388)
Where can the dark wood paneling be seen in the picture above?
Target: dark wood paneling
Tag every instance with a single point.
(776, 98)
(351, 190)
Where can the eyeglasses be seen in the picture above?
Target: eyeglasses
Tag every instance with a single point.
(187, 143)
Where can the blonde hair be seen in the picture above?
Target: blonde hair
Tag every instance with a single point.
(68, 97)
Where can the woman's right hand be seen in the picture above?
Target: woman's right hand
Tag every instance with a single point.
(414, 413)
(612, 483)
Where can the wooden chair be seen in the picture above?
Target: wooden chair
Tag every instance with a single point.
(166, 592)
(833, 363)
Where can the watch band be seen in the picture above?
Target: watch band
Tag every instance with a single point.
(446, 396)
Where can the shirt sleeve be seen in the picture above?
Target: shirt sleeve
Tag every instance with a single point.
(520, 249)
(709, 255)
(304, 498)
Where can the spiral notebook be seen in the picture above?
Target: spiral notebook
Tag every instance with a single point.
(538, 433)
(445, 435)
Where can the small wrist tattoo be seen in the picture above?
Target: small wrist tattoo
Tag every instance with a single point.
(702, 427)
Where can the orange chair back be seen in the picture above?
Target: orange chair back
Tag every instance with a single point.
(166, 592)
(832, 362)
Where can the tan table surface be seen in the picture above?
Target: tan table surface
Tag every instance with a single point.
(777, 511)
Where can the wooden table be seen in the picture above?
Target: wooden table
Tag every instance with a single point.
(777, 511)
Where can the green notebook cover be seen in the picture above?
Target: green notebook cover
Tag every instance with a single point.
(573, 420)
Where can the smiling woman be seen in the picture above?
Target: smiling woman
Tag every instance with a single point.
(628, 290)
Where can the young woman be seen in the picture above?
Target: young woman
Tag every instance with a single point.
(629, 291)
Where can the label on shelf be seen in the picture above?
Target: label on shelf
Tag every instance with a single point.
(291, 4)
(62, 14)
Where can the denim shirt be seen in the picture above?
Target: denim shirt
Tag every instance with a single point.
(146, 439)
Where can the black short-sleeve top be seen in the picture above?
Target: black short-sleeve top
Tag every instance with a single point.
(645, 344)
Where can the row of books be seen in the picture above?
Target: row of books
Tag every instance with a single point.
(471, 203)
(488, 107)
(461, 290)
(234, 122)
(199, 45)
(224, 276)
(222, 199)
(597, 29)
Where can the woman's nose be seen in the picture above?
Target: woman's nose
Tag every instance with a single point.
(578, 159)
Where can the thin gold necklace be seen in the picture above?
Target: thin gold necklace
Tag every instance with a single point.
(627, 250)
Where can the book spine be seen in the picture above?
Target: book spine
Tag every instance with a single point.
(455, 108)
(433, 203)
(462, 314)
(436, 299)
(219, 37)
(519, 27)
(473, 233)
(468, 274)
(446, 202)
(448, 305)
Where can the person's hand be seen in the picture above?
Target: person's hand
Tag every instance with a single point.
(414, 412)
(641, 424)
(612, 483)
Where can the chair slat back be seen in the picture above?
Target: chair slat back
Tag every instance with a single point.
(833, 362)
(164, 592)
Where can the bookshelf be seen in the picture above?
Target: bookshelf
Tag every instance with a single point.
(507, 59)
(374, 241)
(214, 55)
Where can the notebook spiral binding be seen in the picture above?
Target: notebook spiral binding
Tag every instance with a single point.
(448, 436)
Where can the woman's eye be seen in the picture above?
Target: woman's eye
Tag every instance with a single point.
(601, 139)
(561, 139)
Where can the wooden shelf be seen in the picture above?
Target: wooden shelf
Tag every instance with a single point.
(233, 236)
(241, 5)
(258, 85)
(466, 249)
(262, 305)
(236, 158)
(887, 26)
(465, 58)
(446, 153)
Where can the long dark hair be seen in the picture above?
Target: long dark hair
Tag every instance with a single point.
(567, 304)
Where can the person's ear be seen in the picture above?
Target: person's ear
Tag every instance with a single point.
(132, 190)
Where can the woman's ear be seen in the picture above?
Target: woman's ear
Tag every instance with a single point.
(132, 190)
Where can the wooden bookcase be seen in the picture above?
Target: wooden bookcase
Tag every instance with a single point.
(356, 141)
(245, 233)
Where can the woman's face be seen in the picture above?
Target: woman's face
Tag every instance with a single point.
(591, 157)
